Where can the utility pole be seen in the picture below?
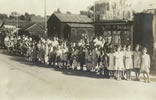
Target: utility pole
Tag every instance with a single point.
(45, 18)
(17, 24)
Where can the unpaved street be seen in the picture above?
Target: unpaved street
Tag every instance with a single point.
(22, 80)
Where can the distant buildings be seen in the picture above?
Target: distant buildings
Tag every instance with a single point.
(113, 10)
(88, 13)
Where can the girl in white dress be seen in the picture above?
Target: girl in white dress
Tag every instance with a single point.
(128, 62)
(64, 55)
(137, 62)
(59, 57)
(111, 64)
(124, 53)
(46, 52)
(145, 65)
(119, 64)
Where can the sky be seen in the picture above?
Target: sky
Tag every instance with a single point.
(74, 6)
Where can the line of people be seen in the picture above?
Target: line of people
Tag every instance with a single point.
(94, 55)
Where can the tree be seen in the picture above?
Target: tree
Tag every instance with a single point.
(27, 17)
(58, 10)
(14, 15)
(3, 16)
(22, 17)
(32, 15)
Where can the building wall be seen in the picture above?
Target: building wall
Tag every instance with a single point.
(54, 26)
(154, 44)
(143, 31)
(113, 10)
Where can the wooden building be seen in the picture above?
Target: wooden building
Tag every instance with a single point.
(69, 26)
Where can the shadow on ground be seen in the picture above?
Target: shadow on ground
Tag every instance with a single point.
(69, 72)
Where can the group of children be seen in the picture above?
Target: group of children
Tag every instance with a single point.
(94, 55)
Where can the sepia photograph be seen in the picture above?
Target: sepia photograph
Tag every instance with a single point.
(77, 50)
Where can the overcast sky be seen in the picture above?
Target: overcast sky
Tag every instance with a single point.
(74, 6)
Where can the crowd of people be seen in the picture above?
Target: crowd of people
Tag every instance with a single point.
(97, 55)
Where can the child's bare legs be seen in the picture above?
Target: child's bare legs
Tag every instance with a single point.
(119, 75)
(148, 77)
(122, 74)
(129, 74)
(117, 72)
(137, 73)
(144, 76)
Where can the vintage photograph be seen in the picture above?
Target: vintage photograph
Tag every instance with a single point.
(77, 50)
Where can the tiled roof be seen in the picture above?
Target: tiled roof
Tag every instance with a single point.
(72, 18)
(35, 29)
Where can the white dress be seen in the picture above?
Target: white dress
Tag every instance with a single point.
(137, 59)
(119, 64)
(145, 63)
(128, 60)
(64, 54)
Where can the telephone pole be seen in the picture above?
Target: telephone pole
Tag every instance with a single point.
(45, 17)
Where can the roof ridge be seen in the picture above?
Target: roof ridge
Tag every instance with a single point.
(71, 14)
(31, 26)
(72, 17)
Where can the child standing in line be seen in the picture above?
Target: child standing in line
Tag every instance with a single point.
(46, 52)
(94, 60)
(105, 59)
(64, 55)
(124, 70)
(119, 65)
(29, 52)
(39, 51)
(145, 65)
(59, 56)
(69, 57)
(42, 53)
(52, 57)
(137, 62)
(82, 57)
(34, 52)
(74, 57)
(111, 63)
(89, 60)
(128, 62)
